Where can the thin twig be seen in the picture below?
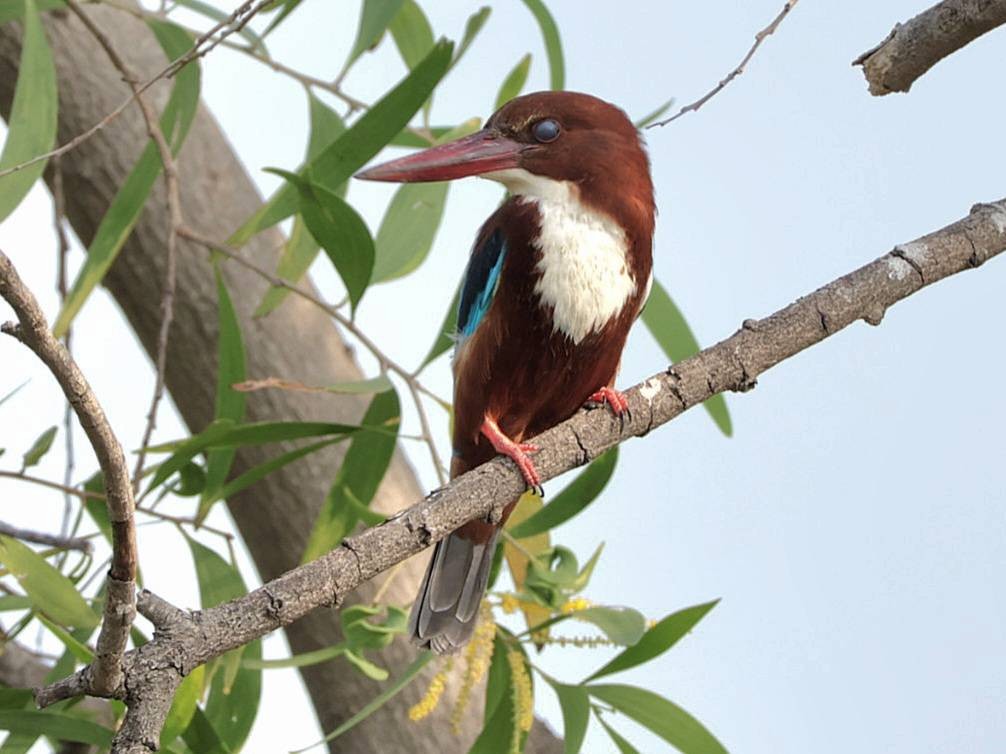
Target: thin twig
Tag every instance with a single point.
(759, 38)
(305, 79)
(233, 23)
(88, 495)
(83, 544)
(120, 603)
(175, 221)
(59, 221)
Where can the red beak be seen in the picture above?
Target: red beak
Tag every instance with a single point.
(481, 152)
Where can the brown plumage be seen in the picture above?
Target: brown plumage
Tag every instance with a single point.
(531, 351)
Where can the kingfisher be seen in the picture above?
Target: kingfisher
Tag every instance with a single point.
(554, 281)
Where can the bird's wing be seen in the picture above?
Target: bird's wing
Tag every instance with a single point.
(481, 280)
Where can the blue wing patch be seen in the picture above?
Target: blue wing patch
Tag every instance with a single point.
(481, 280)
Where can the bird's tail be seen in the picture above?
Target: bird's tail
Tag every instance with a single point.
(447, 608)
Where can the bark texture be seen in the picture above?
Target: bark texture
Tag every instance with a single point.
(912, 48)
(275, 516)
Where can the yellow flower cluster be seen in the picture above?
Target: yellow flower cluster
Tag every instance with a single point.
(574, 605)
(431, 698)
(509, 603)
(478, 655)
(523, 701)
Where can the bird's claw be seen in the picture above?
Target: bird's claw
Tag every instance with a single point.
(617, 401)
(516, 452)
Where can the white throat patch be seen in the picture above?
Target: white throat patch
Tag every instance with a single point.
(585, 276)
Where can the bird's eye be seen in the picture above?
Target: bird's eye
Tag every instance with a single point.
(545, 131)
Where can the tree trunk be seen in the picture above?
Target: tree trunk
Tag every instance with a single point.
(275, 516)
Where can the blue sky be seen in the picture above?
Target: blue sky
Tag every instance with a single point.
(853, 527)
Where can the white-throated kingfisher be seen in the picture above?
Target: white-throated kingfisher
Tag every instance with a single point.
(555, 280)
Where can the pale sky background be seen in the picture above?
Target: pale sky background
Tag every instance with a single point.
(854, 524)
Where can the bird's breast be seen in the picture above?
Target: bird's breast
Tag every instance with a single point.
(585, 279)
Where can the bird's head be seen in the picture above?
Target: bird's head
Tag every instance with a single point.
(542, 145)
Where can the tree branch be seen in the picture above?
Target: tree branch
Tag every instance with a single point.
(912, 48)
(41, 538)
(760, 37)
(184, 641)
(120, 609)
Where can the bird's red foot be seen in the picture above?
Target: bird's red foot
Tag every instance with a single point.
(516, 452)
(615, 399)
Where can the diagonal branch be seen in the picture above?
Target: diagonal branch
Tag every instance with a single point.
(184, 641)
(121, 586)
(912, 48)
(760, 37)
(42, 538)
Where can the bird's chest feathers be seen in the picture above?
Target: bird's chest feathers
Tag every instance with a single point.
(585, 278)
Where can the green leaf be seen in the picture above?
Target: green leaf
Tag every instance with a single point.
(230, 403)
(553, 44)
(14, 11)
(580, 493)
(191, 480)
(379, 701)
(514, 82)
(231, 707)
(125, 208)
(56, 726)
(622, 625)
(675, 337)
(363, 633)
(214, 13)
(358, 477)
(31, 127)
(448, 327)
(183, 706)
(225, 434)
(412, 33)
(365, 666)
(262, 470)
(97, 508)
(497, 729)
(219, 581)
(288, 7)
(408, 229)
(13, 392)
(353, 149)
(38, 448)
(49, 590)
(10, 602)
(655, 115)
(301, 249)
(661, 716)
(298, 255)
(232, 704)
(575, 706)
(13, 698)
(408, 138)
(340, 231)
(77, 648)
(657, 640)
(201, 737)
(374, 19)
(300, 660)
(624, 747)
(473, 26)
